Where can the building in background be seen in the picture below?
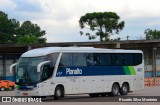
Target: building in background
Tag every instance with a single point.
(10, 54)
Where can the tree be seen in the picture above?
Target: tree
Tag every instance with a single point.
(8, 29)
(104, 23)
(11, 30)
(152, 34)
(27, 39)
(28, 28)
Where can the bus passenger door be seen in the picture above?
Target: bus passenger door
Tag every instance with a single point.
(46, 84)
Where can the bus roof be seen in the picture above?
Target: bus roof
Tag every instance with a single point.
(48, 50)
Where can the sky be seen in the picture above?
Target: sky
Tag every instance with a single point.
(59, 18)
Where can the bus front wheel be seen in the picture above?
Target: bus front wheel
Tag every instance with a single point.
(59, 93)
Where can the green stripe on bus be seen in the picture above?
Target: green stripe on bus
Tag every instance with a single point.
(132, 70)
(126, 69)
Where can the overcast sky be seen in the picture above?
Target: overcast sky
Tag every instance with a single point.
(60, 17)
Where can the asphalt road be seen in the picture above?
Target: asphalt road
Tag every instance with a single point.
(86, 100)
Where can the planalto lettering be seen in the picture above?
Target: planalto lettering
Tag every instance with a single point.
(73, 71)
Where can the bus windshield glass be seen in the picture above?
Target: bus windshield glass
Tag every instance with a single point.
(26, 73)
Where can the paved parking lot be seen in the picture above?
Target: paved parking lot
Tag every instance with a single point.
(147, 91)
(84, 99)
(7, 93)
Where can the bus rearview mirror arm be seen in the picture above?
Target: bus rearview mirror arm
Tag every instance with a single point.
(41, 64)
(11, 67)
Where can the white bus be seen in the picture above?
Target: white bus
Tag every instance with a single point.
(58, 71)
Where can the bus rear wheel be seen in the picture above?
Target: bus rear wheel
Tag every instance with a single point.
(59, 93)
(124, 89)
(115, 90)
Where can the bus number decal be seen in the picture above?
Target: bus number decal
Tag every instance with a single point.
(139, 69)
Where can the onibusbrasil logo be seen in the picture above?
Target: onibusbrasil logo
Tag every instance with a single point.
(20, 99)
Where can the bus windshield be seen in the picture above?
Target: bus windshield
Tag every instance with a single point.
(26, 73)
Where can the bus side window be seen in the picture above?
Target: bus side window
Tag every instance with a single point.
(99, 59)
(53, 58)
(137, 58)
(105, 59)
(79, 59)
(90, 59)
(66, 59)
(117, 59)
(128, 60)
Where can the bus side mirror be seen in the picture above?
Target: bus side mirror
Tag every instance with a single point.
(11, 67)
(41, 64)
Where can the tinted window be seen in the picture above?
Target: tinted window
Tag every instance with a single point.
(103, 59)
(66, 60)
(129, 60)
(137, 59)
(117, 59)
(79, 59)
(126, 59)
(91, 59)
(53, 58)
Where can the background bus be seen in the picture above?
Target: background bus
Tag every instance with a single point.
(57, 71)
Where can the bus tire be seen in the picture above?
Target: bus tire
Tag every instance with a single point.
(115, 90)
(59, 93)
(94, 95)
(124, 89)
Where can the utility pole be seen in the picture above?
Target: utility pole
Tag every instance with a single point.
(154, 56)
